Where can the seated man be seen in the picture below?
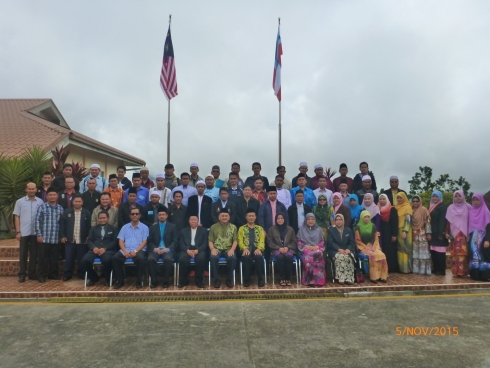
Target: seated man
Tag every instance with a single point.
(162, 243)
(251, 240)
(222, 243)
(102, 243)
(193, 243)
(132, 241)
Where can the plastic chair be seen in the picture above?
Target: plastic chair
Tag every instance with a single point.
(222, 262)
(97, 263)
(265, 270)
(296, 264)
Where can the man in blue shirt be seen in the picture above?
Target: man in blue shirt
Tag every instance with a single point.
(142, 194)
(132, 241)
(211, 190)
(185, 188)
(310, 198)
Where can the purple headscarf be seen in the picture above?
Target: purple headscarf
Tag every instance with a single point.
(457, 215)
(479, 217)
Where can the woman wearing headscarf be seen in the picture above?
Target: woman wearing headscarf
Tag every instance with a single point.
(421, 230)
(438, 242)
(339, 208)
(355, 210)
(341, 248)
(369, 205)
(457, 232)
(404, 250)
(310, 244)
(479, 229)
(322, 214)
(367, 242)
(282, 243)
(389, 231)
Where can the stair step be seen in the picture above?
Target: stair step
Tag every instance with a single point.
(9, 251)
(10, 267)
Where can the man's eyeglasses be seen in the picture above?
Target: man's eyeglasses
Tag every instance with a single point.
(134, 214)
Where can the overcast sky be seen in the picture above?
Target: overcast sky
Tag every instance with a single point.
(400, 84)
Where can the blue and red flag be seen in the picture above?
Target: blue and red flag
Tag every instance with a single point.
(168, 76)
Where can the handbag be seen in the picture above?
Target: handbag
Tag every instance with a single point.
(359, 276)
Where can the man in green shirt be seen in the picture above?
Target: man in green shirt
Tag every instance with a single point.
(222, 243)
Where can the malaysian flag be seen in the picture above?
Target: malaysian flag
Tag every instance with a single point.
(168, 77)
(276, 81)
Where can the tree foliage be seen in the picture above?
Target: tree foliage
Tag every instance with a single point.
(60, 154)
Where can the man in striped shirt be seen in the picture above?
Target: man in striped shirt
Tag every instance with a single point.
(47, 232)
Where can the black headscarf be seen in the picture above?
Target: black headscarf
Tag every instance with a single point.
(283, 229)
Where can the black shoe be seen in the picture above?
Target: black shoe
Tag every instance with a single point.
(217, 284)
(184, 284)
(119, 285)
(166, 284)
(22, 279)
(261, 283)
(229, 283)
(66, 278)
(246, 283)
(153, 285)
(41, 279)
(91, 283)
(373, 281)
(200, 285)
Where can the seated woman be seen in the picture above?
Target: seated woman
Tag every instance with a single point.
(322, 214)
(355, 211)
(479, 230)
(367, 242)
(310, 244)
(282, 243)
(341, 249)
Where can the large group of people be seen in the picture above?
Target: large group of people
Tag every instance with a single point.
(192, 220)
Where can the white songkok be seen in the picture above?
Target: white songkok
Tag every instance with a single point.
(366, 177)
(95, 166)
(303, 164)
(393, 177)
(160, 176)
(155, 192)
(200, 182)
(318, 166)
(194, 164)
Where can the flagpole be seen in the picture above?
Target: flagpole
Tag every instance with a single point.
(280, 137)
(168, 118)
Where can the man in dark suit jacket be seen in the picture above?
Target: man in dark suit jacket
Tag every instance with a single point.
(200, 205)
(293, 210)
(193, 243)
(74, 229)
(244, 203)
(149, 216)
(166, 248)
(224, 202)
(394, 190)
(102, 243)
(264, 218)
(125, 209)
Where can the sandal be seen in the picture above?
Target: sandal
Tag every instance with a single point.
(288, 283)
(282, 283)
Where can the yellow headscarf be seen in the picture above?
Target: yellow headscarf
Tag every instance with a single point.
(403, 209)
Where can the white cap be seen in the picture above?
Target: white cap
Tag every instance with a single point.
(160, 176)
(366, 177)
(200, 182)
(303, 164)
(155, 192)
(393, 177)
(318, 166)
(194, 164)
(95, 166)
(210, 176)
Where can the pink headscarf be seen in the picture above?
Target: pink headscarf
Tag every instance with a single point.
(479, 217)
(457, 215)
(337, 194)
(373, 208)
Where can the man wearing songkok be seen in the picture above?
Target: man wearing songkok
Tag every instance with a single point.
(94, 173)
(343, 170)
(222, 242)
(116, 193)
(367, 188)
(322, 189)
(394, 190)
(103, 244)
(105, 205)
(309, 196)
(244, 204)
(315, 181)
(74, 229)
(142, 196)
(194, 177)
(149, 215)
(185, 188)
(364, 167)
(146, 182)
(124, 211)
(215, 172)
(193, 243)
(212, 191)
(224, 202)
(270, 208)
(25, 231)
(165, 193)
(162, 244)
(200, 205)
(91, 197)
(59, 181)
(303, 169)
(132, 241)
(171, 180)
(256, 168)
(47, 232)
(123, 182)
(251, 241)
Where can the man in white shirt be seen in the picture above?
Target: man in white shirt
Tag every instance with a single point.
(322, 189)
(165, 193)
(283, 194)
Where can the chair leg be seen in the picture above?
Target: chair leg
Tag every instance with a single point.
(209, 271)
(265, 271)
(175, 276)
(110, 281)
(272, 267)
(241, 272)
(86, 273)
